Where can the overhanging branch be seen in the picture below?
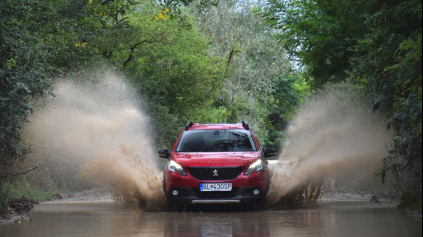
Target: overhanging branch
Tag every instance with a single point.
(13, 175)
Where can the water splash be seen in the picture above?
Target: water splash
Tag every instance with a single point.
(330, 136)
(94, 131)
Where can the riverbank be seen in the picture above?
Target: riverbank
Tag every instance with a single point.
(12, 217)
(413, 213)
(94, 195)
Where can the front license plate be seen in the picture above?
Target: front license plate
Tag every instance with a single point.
(216, 187)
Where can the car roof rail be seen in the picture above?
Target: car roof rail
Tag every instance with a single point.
(245, 125)
(188, 125)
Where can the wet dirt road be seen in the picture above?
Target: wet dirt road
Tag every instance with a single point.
(111, 219)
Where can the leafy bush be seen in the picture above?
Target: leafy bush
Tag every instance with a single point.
(412, 199)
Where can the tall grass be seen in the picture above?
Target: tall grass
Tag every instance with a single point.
(4, 196)
(17, 189)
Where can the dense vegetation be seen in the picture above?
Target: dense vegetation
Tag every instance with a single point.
(208, 61)
(376, 45)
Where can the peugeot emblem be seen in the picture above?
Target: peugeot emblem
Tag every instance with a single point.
(215, 173)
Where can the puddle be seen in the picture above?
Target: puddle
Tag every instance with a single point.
(112, 219)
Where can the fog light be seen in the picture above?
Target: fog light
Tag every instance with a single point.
(256, 192)
(175, 192)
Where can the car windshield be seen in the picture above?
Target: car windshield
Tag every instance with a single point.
(216, 141)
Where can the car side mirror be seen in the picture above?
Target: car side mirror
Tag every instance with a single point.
(269, 152)
(164, 153)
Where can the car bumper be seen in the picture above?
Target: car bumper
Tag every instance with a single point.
(194, 196)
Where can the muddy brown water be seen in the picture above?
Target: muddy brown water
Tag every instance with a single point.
(111, 219)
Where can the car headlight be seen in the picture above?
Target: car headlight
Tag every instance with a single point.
(175, 167)
(256, 166)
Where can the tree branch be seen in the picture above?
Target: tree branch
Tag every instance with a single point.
(128, 60)
(230, 56)
(107, 1)
(132, 47)
(144, 41)
(2, 177)
(132, 50)
(123, 18)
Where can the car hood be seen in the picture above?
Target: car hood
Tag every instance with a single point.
(215, 159)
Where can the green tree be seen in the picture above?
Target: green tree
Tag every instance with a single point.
(22, 77)
(319, 34)
(290, 92)
(171, 69)
(38, 40)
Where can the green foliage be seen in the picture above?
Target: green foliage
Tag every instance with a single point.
(37, 40)
(412, 198)
(388, 62)
(177, 3)
(20, 189)
(171, 69)
(318, 33)
(290, 92)
(23, 61)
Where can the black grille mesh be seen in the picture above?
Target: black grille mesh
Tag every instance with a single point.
(215, 194)
(223, 173)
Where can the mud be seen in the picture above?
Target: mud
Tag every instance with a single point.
(12, 217)
(22, 204)
(18, 210)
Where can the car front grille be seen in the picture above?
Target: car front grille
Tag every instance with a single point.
(215, 194)
(215, 173)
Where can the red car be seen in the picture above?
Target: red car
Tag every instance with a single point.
(216, 163)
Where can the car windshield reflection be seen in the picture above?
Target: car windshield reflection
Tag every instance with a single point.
(225, 140)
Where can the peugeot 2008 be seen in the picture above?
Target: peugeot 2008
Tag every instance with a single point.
(216, 163)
